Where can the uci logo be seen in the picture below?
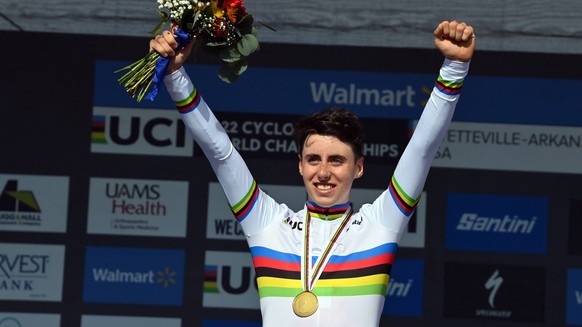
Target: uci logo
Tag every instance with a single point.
(298, 225)
(153, 132)
(158, 132)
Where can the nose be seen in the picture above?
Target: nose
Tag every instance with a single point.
(323, 173)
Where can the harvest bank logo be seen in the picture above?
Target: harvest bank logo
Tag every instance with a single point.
(133, 276)
(138, 131)
(229, 281)
(494, 292)
(405, 289)
(33, 203)
(31, 272)
(137, 207)
(497, 223)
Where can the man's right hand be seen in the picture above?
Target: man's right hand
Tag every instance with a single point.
(166, 45)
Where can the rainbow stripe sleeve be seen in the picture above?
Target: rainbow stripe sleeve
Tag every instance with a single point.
(242, 209)
(405, 203)
(190, 103)
(448, 87)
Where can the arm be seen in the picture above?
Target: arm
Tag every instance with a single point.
(244, 197)
(456, 41)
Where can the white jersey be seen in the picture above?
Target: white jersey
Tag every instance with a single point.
(352, 285)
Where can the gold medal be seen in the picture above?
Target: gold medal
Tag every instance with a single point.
(305, 304)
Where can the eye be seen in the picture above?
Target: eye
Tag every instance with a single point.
(336, 161)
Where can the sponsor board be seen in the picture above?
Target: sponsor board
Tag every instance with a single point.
(574, 298)
(137, 207)
(368, 94)
(13, 319)
(405, 289)
(499, 292)
(511, 147)
(121, 321)
(133, 276)
(229, 281)
(222, 225)
(497, 223)
(30, 203)
(139, 132)
(31, 272)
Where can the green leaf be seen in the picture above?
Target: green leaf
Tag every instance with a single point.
(245, 25)
(239, 67)
(226, 74)
(247, 44)
(229, 55)
(164, 18)
(268, 26)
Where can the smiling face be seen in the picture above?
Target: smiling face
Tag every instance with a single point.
(329, 167)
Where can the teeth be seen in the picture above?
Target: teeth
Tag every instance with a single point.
(324, 187)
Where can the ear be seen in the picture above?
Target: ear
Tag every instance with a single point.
(360, 167)
(300, 166)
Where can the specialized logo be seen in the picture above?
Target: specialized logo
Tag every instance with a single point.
(497, 223)
(229, 281)
(31, 272)
(574, 298)
(133, 276)
(151, 132)
(138, 207)
(492, 285)
(497, 292)
(405, 289)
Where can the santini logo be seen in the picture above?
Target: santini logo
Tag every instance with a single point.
(507, 224)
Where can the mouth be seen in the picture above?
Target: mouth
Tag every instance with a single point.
(324, 187)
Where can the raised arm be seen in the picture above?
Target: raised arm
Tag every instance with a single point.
(456, 41)
(243, 195)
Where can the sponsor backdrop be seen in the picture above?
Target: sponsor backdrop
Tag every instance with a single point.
(111, 216)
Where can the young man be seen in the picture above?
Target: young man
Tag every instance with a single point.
(334, 271)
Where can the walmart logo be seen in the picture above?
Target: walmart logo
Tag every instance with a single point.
(134, 276)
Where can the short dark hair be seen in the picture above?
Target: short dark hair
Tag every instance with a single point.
(338, 122)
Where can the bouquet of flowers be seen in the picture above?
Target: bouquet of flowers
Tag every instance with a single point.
(221, 26)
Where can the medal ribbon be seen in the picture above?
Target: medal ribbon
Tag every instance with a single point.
(308, 283)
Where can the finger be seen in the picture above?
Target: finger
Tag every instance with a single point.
(160, 44)
(452, 34)
(460, 33)
(468, 33)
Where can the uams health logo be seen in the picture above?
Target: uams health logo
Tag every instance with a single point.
(229, 281)
(133, 276)
(497, 223)
(18, 206)
(149, 132)
(138, 207)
